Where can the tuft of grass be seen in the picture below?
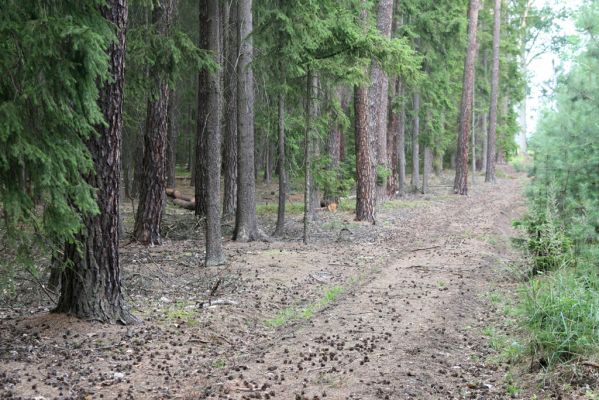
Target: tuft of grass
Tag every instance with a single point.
(179, 313)
(561, 311)
(290, 314)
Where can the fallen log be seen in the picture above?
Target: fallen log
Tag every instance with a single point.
(175, 194)
(188, 205)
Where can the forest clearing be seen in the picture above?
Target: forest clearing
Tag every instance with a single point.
(306, 200)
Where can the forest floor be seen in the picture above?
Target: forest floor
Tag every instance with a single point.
(406, 309)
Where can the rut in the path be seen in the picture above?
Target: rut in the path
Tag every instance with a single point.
(414, 329)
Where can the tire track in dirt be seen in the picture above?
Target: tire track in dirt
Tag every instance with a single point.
(413, 330)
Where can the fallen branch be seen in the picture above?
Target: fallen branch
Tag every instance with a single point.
(318, 279)
(425, 248)
(219, 302)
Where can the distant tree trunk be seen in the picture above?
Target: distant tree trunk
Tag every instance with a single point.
(152, 190)
(438, 162)
(91, 285)
(492, 138)
(334, 152)
(268, 162)
(280, 228)
(138, 157)
(460, 184)
(246, 225)
(345, 97)
(416, 143)
(210, 19)
(393, 141)
(171, 149)
(203, 107)
(231, 52)
(428, 167)
(401, 144)
(311, 111)
(485, 141)
(378, 101)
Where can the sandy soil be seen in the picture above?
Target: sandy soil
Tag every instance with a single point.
(394, 311)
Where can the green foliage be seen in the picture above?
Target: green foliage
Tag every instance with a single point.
(53, 56)
(546, 241)
(291, 314)
(382, 174)
(561, 309)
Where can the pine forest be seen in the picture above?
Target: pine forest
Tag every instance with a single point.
(309, 199)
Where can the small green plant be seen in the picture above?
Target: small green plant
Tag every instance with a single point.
(511, 387)
(219, 364)
(179, 313)
(382, 174)
(546, 241)
(290, 314)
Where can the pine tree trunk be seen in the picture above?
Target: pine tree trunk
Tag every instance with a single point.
(152, 189)
(428, 167)
(345, 98)
(171, 149)
(366, 186)
(91, 285)
(492, 137)
(333, 149)
(460, 184)
(246, 225)
(393, 142)
(210, 19)
(485, 141)
(416, 143)
(231, 52)
(280, 228)
(203, 107)
(311, 111)
(401, 145)
(138, 157)
(378, 101)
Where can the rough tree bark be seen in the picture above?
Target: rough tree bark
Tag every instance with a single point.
(416, 143)
(393, 141)
(91, 283)
(334, 152)
(231, 52)
(171, 148)
(203, 107)
(311, 111)
(246, 225)
(366, 185)
(280, 228)
(428, 167)
(151, 197)
(460, 184)
(378, 101)
(401, 144)
(212, 108)
(492, 136)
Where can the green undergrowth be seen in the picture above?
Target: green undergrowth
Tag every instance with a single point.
(291, 314)
(559, 303)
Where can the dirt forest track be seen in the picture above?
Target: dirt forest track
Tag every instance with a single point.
(395, 311)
